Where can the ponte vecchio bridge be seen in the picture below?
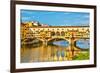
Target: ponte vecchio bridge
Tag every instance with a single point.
(68, 33)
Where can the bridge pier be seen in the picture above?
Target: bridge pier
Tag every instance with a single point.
(45, 42)
(70, 53)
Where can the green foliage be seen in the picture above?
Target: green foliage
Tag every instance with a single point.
(82, 56)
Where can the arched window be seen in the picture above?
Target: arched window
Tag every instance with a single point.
(58, 33)
(62, 33)
(52, 33)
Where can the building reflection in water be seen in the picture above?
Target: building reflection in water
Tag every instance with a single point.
(43, 53)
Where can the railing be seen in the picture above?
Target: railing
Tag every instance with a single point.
(60, 36)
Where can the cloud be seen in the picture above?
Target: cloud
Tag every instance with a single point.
(25, 18)
(68, 13)
(27, 12)
(86, 16)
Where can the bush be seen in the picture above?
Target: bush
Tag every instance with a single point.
(82, 56)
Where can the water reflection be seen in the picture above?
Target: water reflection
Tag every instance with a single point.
(61, 43)
(83, 43)
(58, 51)
(43, 53)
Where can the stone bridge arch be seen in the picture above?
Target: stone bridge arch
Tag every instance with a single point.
(77, 39)
(63, 38)
(45, 41)
(40, 39)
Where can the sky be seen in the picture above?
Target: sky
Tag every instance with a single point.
(56, 18)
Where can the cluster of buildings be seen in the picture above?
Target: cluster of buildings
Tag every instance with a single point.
(25, 31)
(32, 29)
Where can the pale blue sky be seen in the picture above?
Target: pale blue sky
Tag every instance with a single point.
(56, 18)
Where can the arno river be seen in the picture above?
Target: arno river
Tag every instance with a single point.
(42, 53)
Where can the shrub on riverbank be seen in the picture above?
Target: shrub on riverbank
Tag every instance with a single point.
(82, 56)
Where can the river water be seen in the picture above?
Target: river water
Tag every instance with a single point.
(56, 52)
